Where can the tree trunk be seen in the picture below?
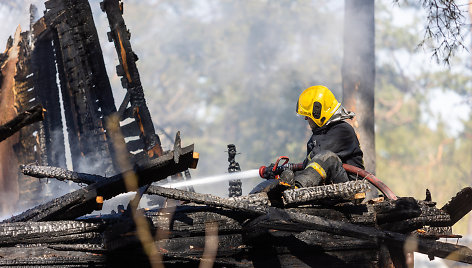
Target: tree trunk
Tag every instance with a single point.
(358, 73)
(469, 221)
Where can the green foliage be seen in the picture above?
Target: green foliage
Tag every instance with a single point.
(415, 148)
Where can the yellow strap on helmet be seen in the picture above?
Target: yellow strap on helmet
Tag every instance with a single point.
(318, 169)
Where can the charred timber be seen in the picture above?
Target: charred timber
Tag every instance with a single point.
(59, 173)
(459, 205)
(191, 220)
(345, 191)
(84, 83)
(290, 220)
(257, 203)
(130, 76)
(284, 220)
(397, 210)
(25, 118)
(83, 201)
(429, 216)
(48, 232)
(43, 256)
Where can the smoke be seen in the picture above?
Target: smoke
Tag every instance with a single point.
(14, 13)
(230, 72)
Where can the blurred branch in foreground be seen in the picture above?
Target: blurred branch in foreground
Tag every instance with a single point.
(211, 245)
(131, 183)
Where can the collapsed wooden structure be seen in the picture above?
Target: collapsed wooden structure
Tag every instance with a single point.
(332, 228)
(60, 62)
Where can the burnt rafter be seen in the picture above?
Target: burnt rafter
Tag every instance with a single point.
(130, 79)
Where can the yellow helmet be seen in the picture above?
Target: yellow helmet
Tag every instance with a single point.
(317, 103)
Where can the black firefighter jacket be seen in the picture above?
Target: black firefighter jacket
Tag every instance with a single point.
(339, 138)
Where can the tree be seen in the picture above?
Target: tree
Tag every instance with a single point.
(444, 27)
(359, 73)
(416, 145)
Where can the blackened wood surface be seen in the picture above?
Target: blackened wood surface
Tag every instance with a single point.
(46, 88)
(459, 205)
(86, 90)
(25, 118)
(48, 232)
(59, 173)
(236, 203)
(190, 220)
(290, 220)
(130, 76)
(82, 201)
(42, 256)
(341, 191)
(429, 216)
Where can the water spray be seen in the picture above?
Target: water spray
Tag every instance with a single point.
(253, 173)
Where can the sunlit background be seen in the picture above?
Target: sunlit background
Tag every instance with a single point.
(230, 71)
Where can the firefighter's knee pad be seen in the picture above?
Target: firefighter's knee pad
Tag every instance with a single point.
(308, 177)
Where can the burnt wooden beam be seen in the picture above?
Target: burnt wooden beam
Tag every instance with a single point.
(397, 210)
(310, 222)
(25, 118)
(45, 89)
(425, 246)
(459, 205)
(43, 256)
(83, 201)
(48, 232)
(343, 191)
(130, 78)
(59, 173)
(429, 216)
(190, 220)
(255, 204)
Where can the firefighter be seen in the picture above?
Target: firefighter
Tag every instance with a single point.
(333, 142)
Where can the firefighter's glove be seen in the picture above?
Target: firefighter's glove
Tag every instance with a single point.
(269, 173)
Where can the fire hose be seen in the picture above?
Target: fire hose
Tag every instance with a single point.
(274, 171)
